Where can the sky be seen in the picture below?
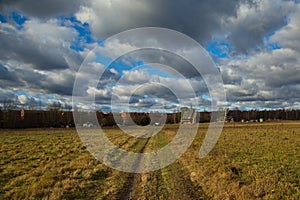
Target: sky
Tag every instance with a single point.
(255, 44)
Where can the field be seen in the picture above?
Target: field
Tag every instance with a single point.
(250, 161)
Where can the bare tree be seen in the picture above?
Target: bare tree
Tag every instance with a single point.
(9, 104)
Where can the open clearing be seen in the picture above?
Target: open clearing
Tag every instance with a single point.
(250, 161)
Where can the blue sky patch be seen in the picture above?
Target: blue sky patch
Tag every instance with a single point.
(83, 30)
(219, 49)
(18, 18)
(3, 19)
(268, 44)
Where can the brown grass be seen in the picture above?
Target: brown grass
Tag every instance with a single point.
(250, 161)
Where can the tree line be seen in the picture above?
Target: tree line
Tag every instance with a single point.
(60, 118)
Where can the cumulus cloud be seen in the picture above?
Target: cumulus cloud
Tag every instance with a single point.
(40, 9)
(6, 75)
(45, 45)
(260, 70)
(22, 99)
(271, 76)
(289, 36)
(197, 19)
(254, 20)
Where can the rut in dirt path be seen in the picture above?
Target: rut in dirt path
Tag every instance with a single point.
(172, 182)
(181, 186)
(132, 179)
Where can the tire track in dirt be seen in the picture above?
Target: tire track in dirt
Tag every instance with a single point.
(110, 187)
(132, 180)
(180, 185)
(178, 179)
(150, 185)
(153, 187)
(172, 182)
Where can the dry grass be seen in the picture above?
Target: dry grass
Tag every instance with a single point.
(250, 161)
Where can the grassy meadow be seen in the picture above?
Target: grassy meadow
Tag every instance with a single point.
(250, 161)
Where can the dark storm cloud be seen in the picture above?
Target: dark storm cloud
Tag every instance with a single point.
(44, 45)
(195, 18)
(198, 19)
(42, 8)
(5, 74)
(53, 83)
(244, 21)
(285, 78)
(154, 90)
(37, 55)
(62, 88)
(253, 21)
(152, 56)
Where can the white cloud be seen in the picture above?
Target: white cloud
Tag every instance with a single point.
(289, 36)
(266, 79)
(22, 99)
(253, 21)
(45, 45)
(135, 77)
(37, 56)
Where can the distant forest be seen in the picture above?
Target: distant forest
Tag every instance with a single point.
(59, 118)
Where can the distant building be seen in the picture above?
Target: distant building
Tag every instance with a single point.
(127, 118)
(124, 117)
(228, 118)
(189, 116)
